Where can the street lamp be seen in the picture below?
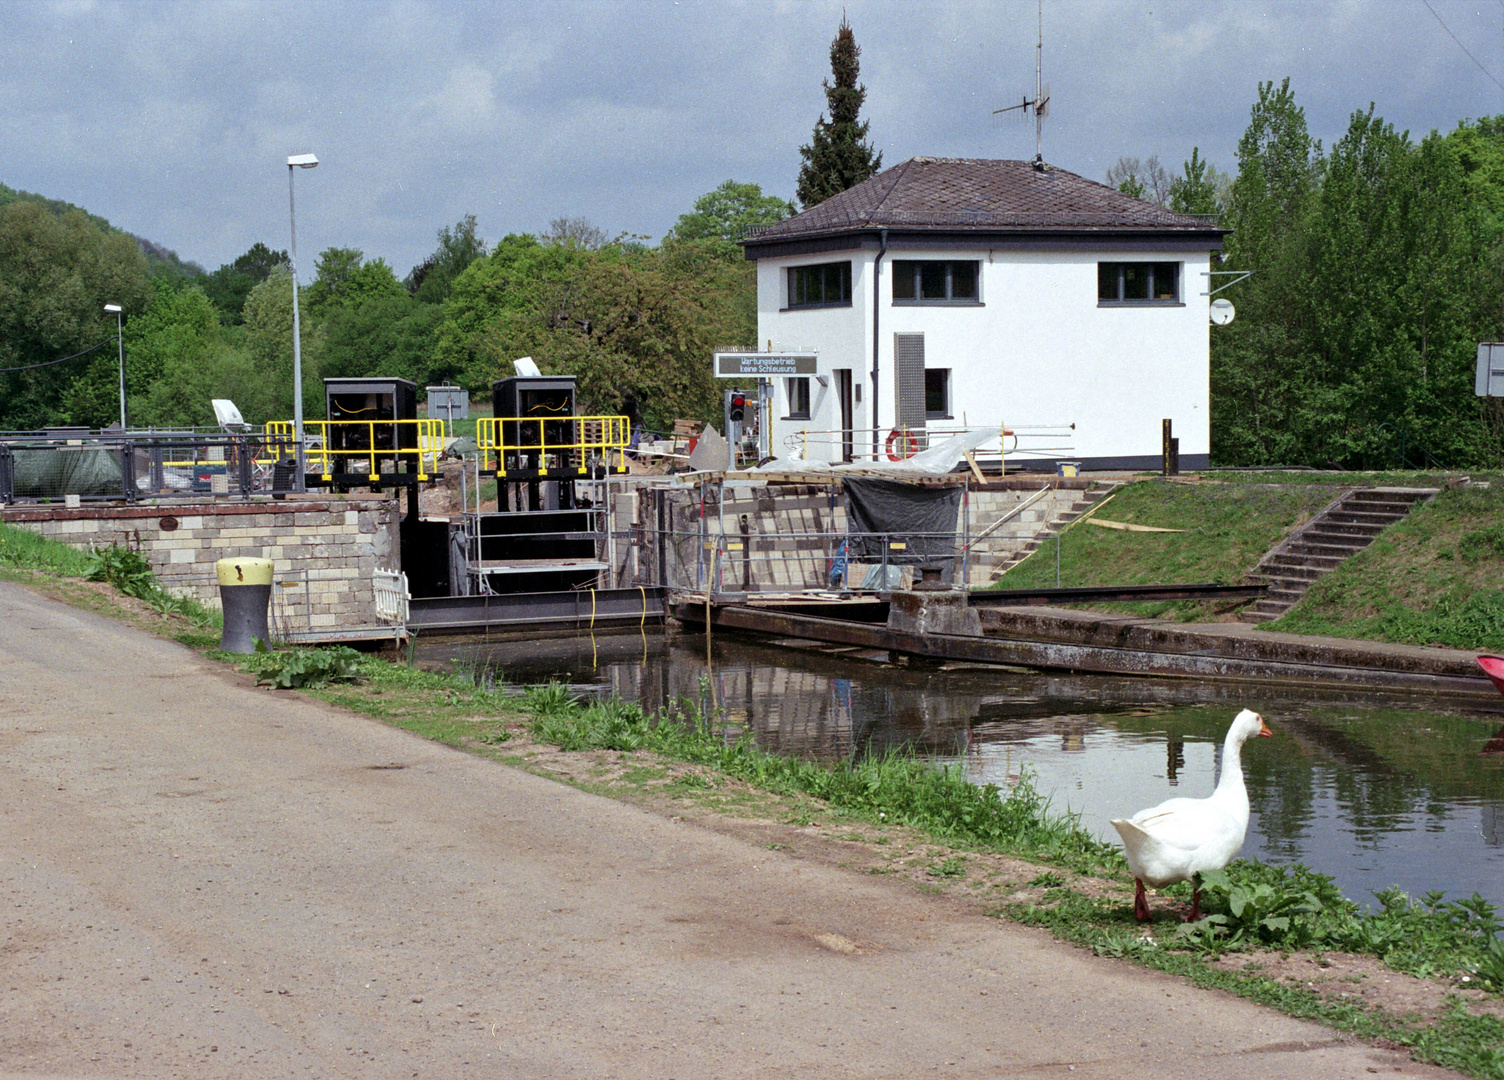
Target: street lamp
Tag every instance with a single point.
(121, 339)
(297, 161)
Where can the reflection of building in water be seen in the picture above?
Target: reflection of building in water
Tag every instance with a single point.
(812, 713)
(1174, 760)
(1492, 817)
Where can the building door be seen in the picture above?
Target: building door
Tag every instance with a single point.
(843, 398)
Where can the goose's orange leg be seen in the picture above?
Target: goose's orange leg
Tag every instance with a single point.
(1140, 902)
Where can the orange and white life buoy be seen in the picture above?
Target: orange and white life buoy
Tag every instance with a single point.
(901, 445)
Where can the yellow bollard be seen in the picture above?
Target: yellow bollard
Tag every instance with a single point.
(245, 592)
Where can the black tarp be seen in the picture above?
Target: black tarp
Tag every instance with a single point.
(923, 519)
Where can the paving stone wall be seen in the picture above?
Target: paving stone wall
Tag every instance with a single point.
(323, 552)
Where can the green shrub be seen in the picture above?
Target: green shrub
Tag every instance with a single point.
(297, 668)
(123, 568)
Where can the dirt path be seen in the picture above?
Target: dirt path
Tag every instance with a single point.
(202, 879)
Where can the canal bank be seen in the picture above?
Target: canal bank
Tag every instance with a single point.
(1067, 640)
(282, 885)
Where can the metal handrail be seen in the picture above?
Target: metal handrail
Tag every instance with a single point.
(571, 441)
(341, 443)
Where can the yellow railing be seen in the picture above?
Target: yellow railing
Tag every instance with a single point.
(360, 446)
(572, 442)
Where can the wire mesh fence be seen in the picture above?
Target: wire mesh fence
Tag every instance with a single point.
(75, 465)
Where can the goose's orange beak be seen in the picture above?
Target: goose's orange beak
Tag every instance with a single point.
(1264, 728)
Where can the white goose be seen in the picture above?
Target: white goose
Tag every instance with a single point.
(1180, 838)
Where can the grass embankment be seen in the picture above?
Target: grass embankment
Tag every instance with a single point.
(1273, 935)
(1223, 529)
(1432, 579)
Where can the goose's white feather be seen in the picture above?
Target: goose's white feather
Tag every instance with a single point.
(1180, 838)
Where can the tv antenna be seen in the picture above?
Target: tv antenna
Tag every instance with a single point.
(1040, 104)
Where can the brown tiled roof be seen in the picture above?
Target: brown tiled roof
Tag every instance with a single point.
(968, 194)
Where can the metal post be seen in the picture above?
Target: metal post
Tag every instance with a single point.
(966, 535)
(120, 337)
(297, 161)
(299, 480)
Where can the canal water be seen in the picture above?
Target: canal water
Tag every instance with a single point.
(1374, 792)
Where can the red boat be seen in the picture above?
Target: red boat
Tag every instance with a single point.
(1493, 667)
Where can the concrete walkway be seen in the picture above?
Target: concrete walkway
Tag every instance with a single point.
(203, 879)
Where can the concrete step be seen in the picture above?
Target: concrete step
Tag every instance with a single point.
(1297, 560)
(1343, 532)
(1293, 572)
(1357, 518)
(1336, 547)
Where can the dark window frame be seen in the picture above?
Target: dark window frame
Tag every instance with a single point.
(796, 388)
(937, 382)
(1118, 282)
(819, 285)
(915, 283)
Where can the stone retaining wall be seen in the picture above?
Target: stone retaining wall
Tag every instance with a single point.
(323, 551)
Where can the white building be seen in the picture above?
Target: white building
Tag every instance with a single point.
(945, 293)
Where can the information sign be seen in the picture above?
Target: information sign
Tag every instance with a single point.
(763, 365)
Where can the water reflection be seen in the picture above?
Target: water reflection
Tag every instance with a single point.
(1373, 792)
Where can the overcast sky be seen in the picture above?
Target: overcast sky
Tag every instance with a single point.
(174, 119)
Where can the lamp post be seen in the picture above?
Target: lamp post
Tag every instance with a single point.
(297, 161)
(119, 336)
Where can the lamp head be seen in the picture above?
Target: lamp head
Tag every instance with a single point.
(112, 308)
(302, 161)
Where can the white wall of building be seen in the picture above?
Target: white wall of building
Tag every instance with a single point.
(1037, 351)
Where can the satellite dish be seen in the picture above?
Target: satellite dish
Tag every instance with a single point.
(1221, 312)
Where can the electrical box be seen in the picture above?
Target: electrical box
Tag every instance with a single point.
(363, 415)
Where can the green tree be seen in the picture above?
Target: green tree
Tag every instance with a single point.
(431, 280)
(1258, 362)
(838, 156)
(343, 277)
(177, 362)
(725, 214)
(56, 274)
(232, 283)
(1199, 189)
(622, 320)
(268, 345)
(386, 336)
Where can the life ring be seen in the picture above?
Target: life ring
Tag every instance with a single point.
(906, 442)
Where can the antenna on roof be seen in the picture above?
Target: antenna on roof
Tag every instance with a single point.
(1040, 105)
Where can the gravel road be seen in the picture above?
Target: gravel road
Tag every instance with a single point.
(199, 878)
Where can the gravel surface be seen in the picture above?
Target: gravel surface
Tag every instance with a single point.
(200, 878)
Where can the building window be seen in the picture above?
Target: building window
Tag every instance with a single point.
(1138, 283)
(937, 394)
(825, 285)
(798, 391)
(917, 282)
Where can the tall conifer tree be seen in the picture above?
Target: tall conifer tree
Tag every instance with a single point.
(838, 156)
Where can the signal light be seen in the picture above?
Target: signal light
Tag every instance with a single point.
(738, 406)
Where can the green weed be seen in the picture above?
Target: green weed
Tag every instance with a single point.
(297, 668)
(123, 568)
(897, 788)
(22, 549)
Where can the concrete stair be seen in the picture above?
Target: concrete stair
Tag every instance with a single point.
(989, 568)
(1347, 525)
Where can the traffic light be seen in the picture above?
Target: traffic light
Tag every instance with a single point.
(738, 407)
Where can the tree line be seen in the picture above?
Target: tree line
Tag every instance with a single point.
(626, 317)
(1374, 270)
